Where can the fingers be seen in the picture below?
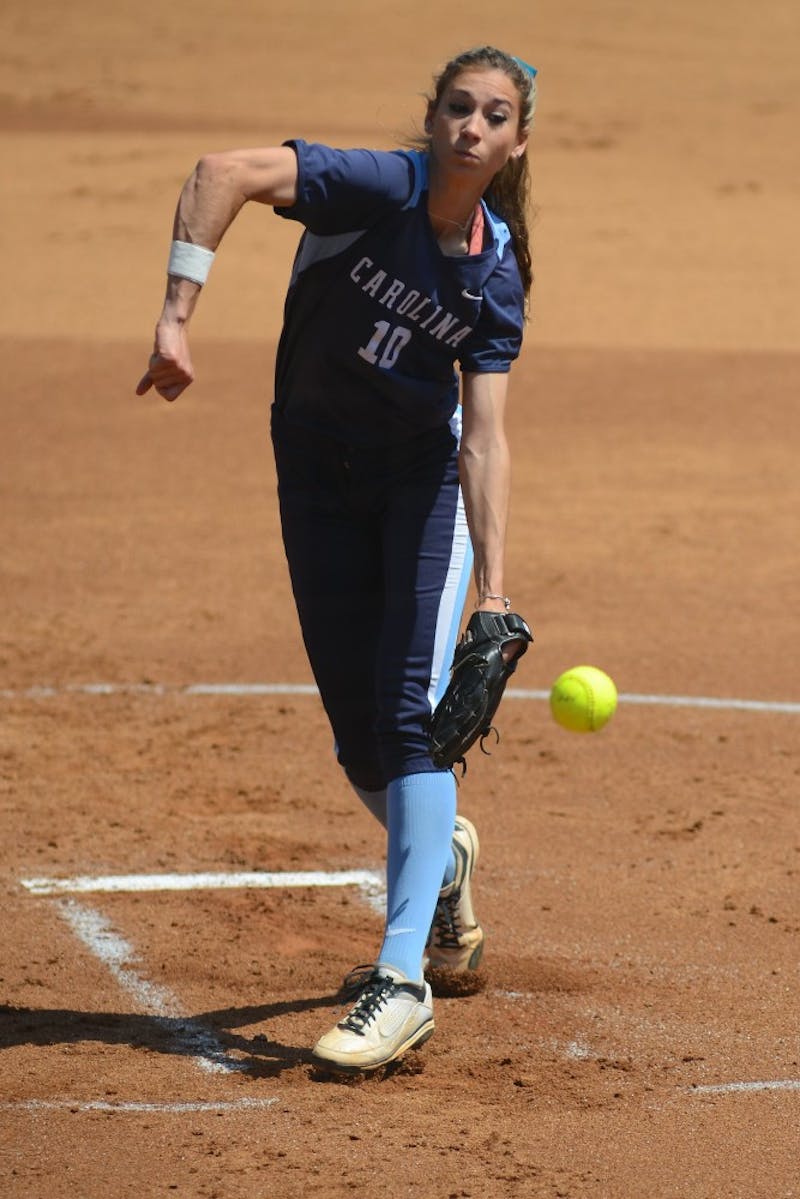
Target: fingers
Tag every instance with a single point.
(166, 391)
(167, 377)
(512, 649)
(172, 393)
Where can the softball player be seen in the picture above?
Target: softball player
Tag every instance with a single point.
(390, 490)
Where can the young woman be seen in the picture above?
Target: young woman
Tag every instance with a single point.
(390, 489)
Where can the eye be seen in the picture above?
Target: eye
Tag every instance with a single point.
(497, 119)
(458, 108)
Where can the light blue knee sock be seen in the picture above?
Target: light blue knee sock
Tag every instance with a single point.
(422, 811)
(375, 802)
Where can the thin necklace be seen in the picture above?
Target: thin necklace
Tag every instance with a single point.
(463, 227)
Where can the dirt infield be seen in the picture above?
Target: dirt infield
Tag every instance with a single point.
(636, 1029)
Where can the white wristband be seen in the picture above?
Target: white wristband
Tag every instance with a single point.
(188, 261)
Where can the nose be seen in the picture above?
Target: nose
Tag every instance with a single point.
(471, 126)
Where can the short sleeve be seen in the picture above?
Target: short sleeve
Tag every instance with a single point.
(343, 190)
(497, 338)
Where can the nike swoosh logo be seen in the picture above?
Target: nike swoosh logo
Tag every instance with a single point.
(469, 296)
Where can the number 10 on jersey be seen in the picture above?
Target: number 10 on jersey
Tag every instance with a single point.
(383, 348)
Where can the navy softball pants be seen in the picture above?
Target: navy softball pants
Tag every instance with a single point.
(379, 559)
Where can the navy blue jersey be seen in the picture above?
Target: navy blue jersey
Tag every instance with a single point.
(376, 316)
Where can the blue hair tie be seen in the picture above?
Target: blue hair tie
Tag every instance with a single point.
(526, 66)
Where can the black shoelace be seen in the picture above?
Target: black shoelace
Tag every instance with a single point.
(354, 982)
(377, 990)
(446, 921)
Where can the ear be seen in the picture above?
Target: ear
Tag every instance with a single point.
(428, 126)
(520, 148)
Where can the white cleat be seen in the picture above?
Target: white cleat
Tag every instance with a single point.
(390, 1016)
(455, 941)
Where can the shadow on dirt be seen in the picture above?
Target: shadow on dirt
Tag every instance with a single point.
(207, 1035)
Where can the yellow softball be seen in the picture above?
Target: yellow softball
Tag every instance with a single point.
(583, 699)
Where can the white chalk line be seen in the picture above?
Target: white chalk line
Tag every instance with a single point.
(98, 1105)
(369, 881)
(117, 955)
(111, 949)
(156, 689)
(255, 689)
(729, 1088)
(578, 1050)
(96, 933)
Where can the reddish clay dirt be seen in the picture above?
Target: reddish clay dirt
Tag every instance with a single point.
(636, 1028)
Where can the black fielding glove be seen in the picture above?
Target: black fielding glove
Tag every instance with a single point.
(478, 679)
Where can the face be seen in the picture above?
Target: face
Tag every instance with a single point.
(475, 126)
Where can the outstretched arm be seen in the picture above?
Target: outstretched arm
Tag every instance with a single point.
(485, 481)
(219, 186)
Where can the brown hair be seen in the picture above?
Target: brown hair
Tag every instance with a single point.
(509, 192)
